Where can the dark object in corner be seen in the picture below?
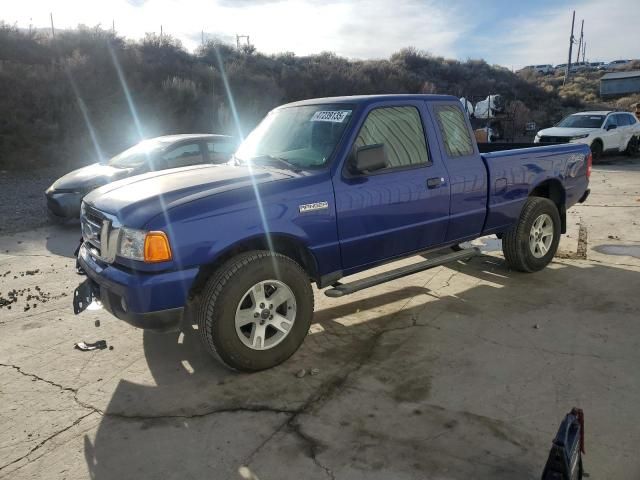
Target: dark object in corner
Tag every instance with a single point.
(565, 458)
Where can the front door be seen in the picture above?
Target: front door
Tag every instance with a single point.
(399, 209)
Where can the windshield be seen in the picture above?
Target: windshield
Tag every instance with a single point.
(297, 137)
(138, 154)
(581, 121)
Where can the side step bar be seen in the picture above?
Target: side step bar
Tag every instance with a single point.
(340, 289)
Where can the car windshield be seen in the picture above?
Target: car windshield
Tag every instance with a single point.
(138, 154)
(581, 121)
(297, 137)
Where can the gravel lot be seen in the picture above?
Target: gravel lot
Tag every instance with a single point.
(22, 204)
(459, 372)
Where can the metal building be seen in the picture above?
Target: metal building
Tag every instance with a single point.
(620, 83)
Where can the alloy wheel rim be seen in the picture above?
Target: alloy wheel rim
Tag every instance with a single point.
(541, 236)
(265, 315)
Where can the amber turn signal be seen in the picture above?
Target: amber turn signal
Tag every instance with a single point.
(156, 247)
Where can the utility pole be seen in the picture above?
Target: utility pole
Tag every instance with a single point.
(113, 27)
(160, 33)
(571, 41)
(584, 51)
(202, 39)
(581, 39)
(53, 30)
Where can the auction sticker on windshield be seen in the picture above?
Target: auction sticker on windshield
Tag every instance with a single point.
(336, 116)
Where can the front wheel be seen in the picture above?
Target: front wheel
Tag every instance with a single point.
(256, 310)
(530, 245)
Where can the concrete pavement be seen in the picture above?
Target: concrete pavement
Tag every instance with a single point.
(463, 371)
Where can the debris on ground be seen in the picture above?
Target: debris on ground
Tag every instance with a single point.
(97, 323)
(536, 326)
(301, 373)
(314, 371)
(614, 237)
(87, 347)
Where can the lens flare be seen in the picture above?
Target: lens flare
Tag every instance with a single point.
(125, 89)
(256, 191)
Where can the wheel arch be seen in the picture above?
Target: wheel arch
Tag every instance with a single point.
(554, 191)
(283, 244)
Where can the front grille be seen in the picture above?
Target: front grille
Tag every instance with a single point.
(100, 233)
(549, 139)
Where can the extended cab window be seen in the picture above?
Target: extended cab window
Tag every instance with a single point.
(183, 156)
(400, 130)
(455, 133)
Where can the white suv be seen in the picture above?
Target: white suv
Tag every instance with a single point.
(602, 131)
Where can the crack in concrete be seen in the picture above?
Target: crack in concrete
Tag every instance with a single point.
(45, 441)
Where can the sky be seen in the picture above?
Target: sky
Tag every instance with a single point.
(509, 33)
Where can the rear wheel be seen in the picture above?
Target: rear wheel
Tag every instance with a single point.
(531, 244)
(633, 147)
(256, 310)
(596, 150)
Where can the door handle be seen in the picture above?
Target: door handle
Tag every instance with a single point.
(435, 182)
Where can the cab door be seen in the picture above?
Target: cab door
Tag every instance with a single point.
(401, 208)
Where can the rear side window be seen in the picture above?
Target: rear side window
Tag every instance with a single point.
(400, 130)
(623, 120)
(454, 131)
(632, 120)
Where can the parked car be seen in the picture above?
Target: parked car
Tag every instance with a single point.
(543, 69)
(603, 131)
(322, 189)
(65, 195)
(561, 67)
(617, 64)
(596, 65)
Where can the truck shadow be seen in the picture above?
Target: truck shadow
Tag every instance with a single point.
(190, 424)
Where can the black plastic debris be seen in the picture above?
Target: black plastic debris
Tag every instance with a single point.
(87, 347)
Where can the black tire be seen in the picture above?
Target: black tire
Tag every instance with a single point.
(456, 247)
(633, 147)
(222, 295)
(596, 150)
(515, 242)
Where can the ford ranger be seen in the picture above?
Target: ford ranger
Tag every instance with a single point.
(322, 189)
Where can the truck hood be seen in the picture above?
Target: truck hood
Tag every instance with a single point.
(565, 131)
(136, 200)
(90, 176)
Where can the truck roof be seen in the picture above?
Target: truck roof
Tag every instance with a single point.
(366, 99)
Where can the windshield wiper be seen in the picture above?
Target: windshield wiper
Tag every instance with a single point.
(281, 161)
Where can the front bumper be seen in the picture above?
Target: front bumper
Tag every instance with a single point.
(152, 301)
(64, 204)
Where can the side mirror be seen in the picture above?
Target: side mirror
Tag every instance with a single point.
(611, 127)
(369, 159)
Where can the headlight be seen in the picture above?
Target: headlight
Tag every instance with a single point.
(83, 209)
(131, 243)
(150, 247)
(577, 137)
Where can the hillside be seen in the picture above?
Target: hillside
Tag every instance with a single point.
(583, 88)
(64, 102)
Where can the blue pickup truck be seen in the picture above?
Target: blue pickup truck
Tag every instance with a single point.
(322, 189)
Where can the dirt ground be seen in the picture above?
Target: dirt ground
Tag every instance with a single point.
(460, 372)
